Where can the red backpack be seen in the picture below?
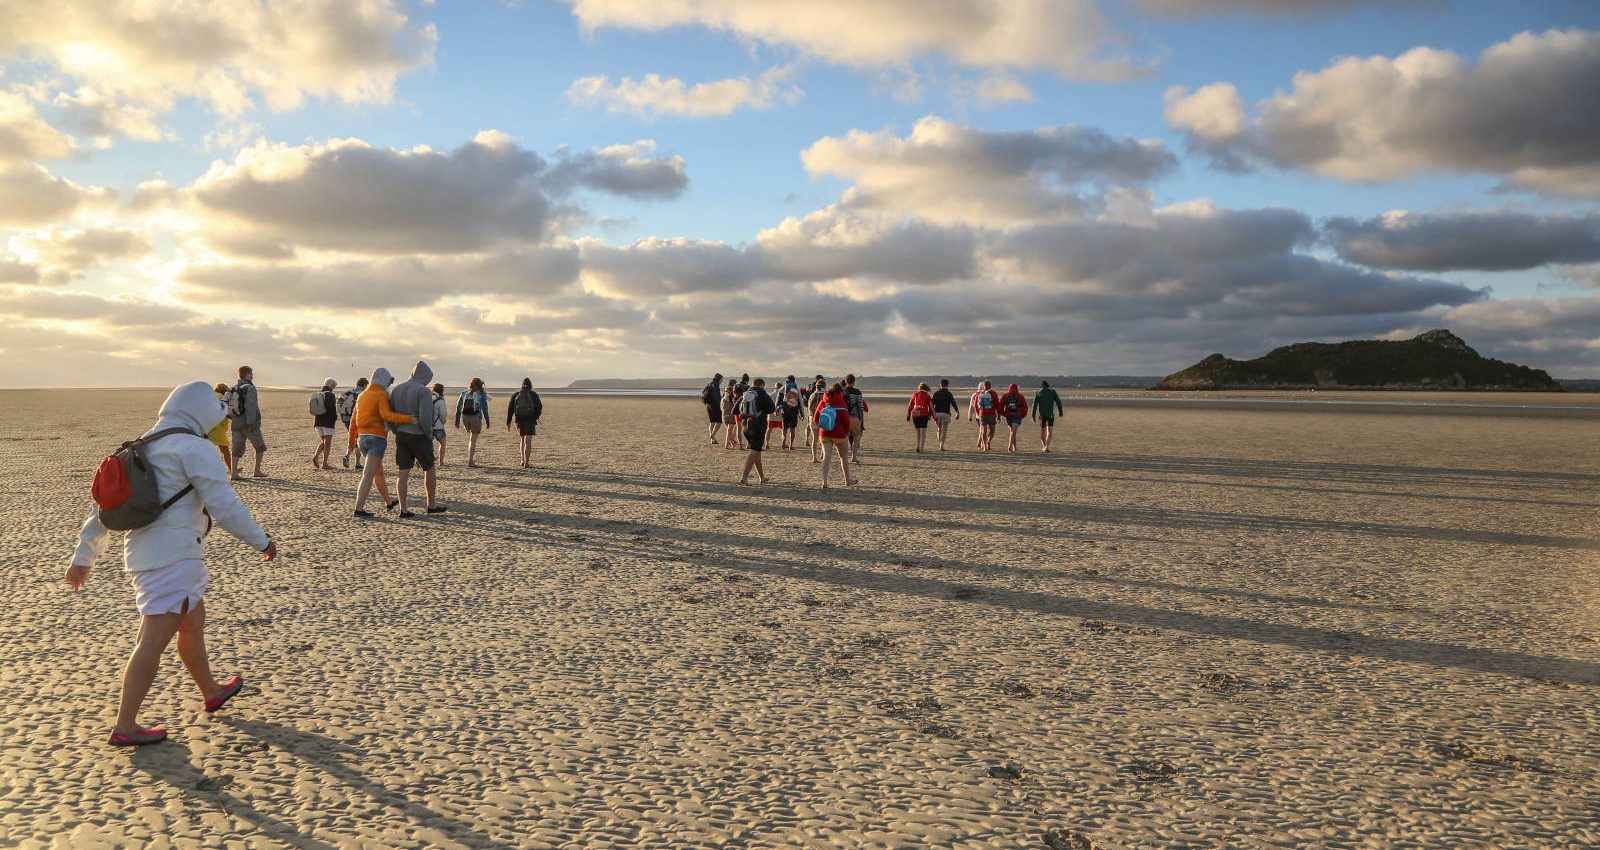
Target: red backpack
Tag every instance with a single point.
(921, 405)
(124, 486)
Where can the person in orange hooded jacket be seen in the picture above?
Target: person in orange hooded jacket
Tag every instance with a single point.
(371, 423)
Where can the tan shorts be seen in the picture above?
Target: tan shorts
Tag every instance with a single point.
(942, 418)
(473, 424)
(855, 427)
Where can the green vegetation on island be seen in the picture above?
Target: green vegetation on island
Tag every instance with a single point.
(1436, 360)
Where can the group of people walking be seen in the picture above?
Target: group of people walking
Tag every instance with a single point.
(835, 417)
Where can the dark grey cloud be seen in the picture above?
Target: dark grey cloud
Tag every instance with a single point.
(1524, 111)
(1479, 241)
(347, 195)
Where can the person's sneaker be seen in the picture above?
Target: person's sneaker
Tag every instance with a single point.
(406, 514)
(437, 509)
(346, 461)
(363, 514)
(358, 467)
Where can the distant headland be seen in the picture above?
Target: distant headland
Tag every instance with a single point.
(1436, 360)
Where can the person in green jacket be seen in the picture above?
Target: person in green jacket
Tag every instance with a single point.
(1046, 404)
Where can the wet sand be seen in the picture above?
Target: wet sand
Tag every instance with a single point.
(1189, 627)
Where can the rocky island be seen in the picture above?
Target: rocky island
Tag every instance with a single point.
(1436, 360)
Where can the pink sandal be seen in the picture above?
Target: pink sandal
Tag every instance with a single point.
(138, 739)
(228, 692)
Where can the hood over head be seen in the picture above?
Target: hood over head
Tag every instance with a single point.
(193, 406)
(527, 383)
(1013, 388)
(381, 377)
(422, 373)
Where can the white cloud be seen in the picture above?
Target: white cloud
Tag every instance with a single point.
(25, 135)
(1524, 111)
(30, 196)
(1065, 36)
(951, 173)
(102, 119)
(1000, 88)
(1198, 8)
(654, 95)
(72, 250)
(227, 53)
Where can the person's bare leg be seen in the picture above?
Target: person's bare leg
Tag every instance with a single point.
(844, 466)
(750, 462)
(258, 472)
(405, 482)
(1044, 438)
(368, 476)
(1011, 442)
(378, 480)
(472, 448)
(227, 457)
(761, 473)
(440, 461)
(429, 483)
(827, 460)
(155, 632)
(192, 650)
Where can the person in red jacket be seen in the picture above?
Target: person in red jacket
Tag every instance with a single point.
(918, 411)
(835, 439)
(1014, 407)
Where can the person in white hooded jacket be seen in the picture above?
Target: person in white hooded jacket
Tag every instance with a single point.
(165, 558)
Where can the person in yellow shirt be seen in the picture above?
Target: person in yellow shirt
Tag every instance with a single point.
(219, 435)
(371, 424)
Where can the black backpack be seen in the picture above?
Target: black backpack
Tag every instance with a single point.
(524, 404)
(469, 404)
(708, 396)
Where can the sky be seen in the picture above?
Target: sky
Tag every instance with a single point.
(667, 188)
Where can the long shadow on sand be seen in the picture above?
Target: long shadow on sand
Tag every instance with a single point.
(1218, 524)
(711, 548)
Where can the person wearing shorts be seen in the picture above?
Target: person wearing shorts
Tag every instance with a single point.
(219, 435)
(472, 410)
(757, 405)
(413, 441)
(858, 416)
(729, 406)
(1046, 404)
(527, 425)
(247, 424)
(709, 398)
(324, 424)
(984, 410)
(372, 420)
(836, 440)
(918, 411)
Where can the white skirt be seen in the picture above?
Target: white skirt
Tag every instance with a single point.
(164, 590)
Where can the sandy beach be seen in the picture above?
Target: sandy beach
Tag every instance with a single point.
(1232, 626)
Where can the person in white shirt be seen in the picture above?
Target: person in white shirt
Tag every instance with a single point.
(164, 559)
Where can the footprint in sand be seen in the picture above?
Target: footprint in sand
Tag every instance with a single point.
(965, 591)
(1016, 688)
(1067, 839)
(1096, 626)
(759, 656)
(876, 641)
(1223, 683)
(810, 601)
(936, 729)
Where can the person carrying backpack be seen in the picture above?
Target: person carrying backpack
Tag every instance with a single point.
(166, 489)
(832, 418)
(245, 405)
(857, 403)
(1014, 408)
(728, 406)
(324, 416)
(1046, 404)
(441, 415)
(472, 411)
(525, 408)
(756, 407)
(818, 389)
(710, 396)
(790, 404)
(347, 412)
(984, 410)
(918, 411)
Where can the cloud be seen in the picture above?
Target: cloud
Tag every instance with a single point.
(382, 284)
(348, 195)
(1200, 8)
(1479, 241)
(626, 170)
(25, 135)
(1213, 121)
(654, 95)
(952, 173)
(31, 196)
(72, 250)
(102, 118)
(1524, 111)
(1581, 275)
(13, 270)
(1000, 88)
(1065, 36)
(226, 53)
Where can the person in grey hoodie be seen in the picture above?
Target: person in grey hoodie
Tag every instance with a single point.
(246, 425)
(414, 440)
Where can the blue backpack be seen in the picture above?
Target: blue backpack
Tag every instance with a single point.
(827, 418)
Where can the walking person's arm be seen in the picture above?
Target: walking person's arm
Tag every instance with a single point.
(92, 540)
(204, 470)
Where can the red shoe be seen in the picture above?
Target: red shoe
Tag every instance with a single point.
(138, 739)
(228, 692)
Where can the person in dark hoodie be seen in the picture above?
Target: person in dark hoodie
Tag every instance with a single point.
(710, 396)
(414, 440)
(525, 409)
(755, 407)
